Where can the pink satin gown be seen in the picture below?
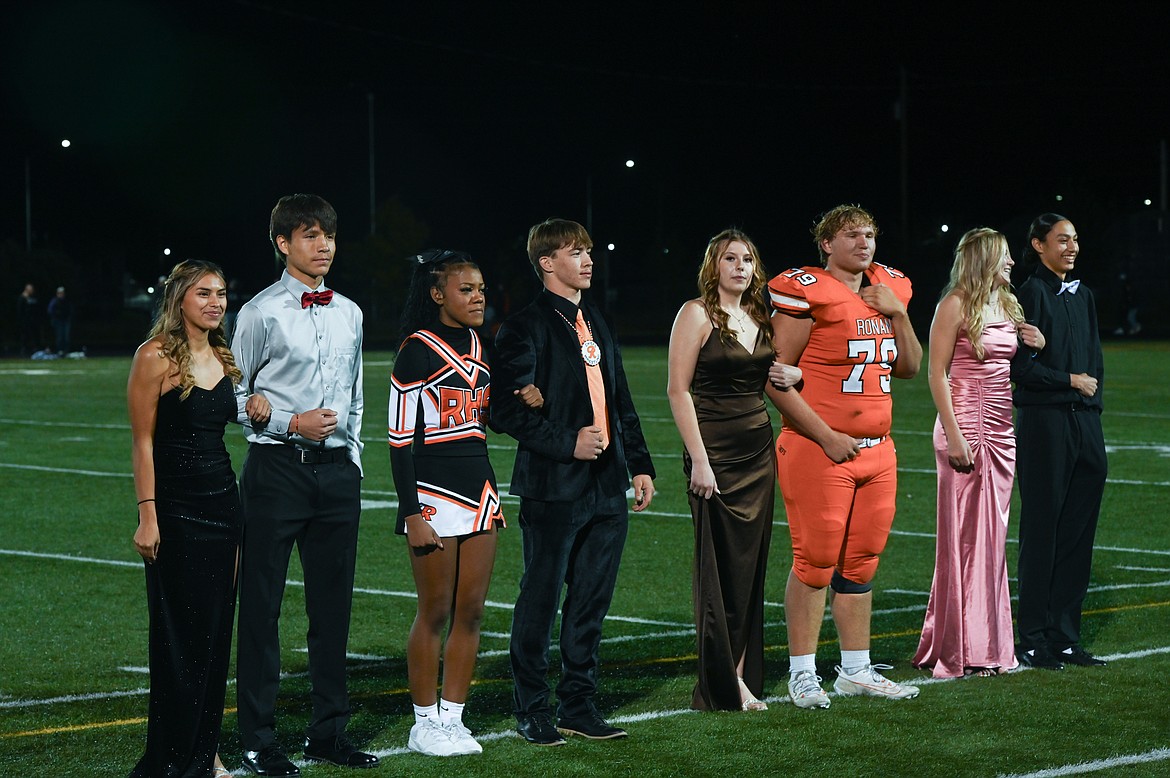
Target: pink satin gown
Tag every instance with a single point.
(969, 618)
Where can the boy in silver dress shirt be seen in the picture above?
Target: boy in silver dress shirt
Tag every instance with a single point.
(299, 344)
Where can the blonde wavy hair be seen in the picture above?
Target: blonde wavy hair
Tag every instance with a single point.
(170, 329)
(833, 221)
(973, 279)
(754, 295)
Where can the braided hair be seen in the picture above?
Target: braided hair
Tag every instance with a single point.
(431, 269)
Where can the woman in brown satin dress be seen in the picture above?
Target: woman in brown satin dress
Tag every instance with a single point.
(720, 352)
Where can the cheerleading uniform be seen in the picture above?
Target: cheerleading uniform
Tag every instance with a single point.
(439, 392)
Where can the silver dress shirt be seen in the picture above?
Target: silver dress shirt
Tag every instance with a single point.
(301, 359)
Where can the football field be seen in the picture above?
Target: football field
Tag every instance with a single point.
(73, 621)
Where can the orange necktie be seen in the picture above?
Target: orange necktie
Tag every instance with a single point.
(591, 355)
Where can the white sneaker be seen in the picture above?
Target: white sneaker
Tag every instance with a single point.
(805, 690)
(431, 738)
(869, 682)
(461, 737)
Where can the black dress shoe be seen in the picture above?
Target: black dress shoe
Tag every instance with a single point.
(339, 751)
(269, 761)
(591, 726)
(1075, 655)
(538, 729)
(1040, 658)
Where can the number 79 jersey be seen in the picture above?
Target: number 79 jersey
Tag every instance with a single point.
(847, 361)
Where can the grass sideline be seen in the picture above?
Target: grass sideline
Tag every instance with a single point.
(73, 617)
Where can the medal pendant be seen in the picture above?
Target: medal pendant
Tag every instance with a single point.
(591, 353)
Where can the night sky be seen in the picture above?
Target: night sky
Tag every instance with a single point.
(188, 121)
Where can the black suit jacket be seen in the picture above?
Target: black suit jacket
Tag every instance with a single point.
(1069, 324)
(536, 346)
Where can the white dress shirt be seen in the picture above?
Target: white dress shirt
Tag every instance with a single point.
(302, 358)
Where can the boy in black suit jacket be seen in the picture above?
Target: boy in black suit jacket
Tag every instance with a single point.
(572, 470)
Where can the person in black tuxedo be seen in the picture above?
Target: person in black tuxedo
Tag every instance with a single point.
(1062, 464)
(573, 467)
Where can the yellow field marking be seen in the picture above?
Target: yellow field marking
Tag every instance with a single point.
(74, 728)
(85, 727)
(883, 635)
(1116, 608)
(486, 681)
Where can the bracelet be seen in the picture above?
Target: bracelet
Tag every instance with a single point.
(296, 424)
(148, 499)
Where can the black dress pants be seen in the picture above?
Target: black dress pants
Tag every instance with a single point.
(1061, 466)
(577, 545)
(315, 506)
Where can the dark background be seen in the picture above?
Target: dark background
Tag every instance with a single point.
(188, 121)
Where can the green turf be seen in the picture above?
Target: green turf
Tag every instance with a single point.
(70, 628)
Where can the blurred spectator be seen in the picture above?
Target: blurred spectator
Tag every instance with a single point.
(1129, 324)
(61, 317)
(235, 301)
(28, 318)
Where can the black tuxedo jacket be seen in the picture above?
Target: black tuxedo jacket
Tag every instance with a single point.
(536, 346)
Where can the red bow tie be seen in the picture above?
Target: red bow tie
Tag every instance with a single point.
(316, 298)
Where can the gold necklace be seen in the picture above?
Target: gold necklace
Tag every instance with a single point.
(740, 317)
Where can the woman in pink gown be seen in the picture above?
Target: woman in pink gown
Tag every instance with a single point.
(968, 626)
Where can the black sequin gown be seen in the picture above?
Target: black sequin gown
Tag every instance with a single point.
(191, 588)
(734, 528)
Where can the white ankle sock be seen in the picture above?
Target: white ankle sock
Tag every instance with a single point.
(854, 661)
(425, 712)
(450, 711)
(802, 663)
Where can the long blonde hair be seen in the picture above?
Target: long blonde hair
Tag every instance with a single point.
(170, 329)
(754, 295)
(973, 279)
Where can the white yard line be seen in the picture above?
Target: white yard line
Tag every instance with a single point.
(511, 446)
(675, 629)
(73, 425)
(1080, 768)
(1083, 767)
(66, 471)
(1075, 769)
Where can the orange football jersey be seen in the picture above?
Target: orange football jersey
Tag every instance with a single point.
(846, 363)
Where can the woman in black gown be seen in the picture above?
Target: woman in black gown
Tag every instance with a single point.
(720, 353)
(181, 395)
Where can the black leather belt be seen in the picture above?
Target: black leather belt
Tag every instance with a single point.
(320, 456)
(1073, 407)
(308, 456)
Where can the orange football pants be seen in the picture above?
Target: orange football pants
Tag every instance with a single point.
(839, 515)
